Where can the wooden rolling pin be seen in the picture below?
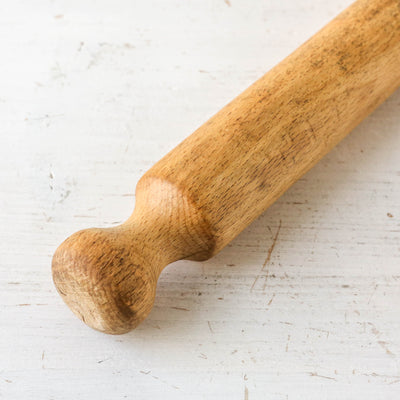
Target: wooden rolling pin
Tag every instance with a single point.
(202, 194)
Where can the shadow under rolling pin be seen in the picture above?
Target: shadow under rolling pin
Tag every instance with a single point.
(202, 194)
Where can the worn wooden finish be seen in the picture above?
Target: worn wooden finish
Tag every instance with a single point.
(200, 196)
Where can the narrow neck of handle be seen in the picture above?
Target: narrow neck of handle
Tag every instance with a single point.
(166, 225)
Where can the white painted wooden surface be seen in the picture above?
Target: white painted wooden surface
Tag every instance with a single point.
(92, 94)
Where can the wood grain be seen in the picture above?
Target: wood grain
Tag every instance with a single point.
(200, 196)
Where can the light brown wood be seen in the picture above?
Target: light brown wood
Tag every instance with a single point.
(216, 182)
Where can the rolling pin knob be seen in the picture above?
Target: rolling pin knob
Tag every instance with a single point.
(105, 298)
(108, 277)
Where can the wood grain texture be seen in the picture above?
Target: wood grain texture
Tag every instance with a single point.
(200, 196)
(92, 94)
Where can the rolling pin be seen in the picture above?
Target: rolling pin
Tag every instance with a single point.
(203, 193)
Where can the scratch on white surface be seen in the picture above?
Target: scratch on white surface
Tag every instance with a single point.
(374, 329)
(254, 283)
(384, 345)
(165, 382)
(145, 372)
(103, 360)
(268, 258)
(159, 379)
(272, 298)
(271, 249)
(321, 330)
(322, 376)
(287, 344)
(285, 322)
(42, 359)
(264, 274)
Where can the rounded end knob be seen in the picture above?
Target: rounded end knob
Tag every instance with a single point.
(108, 277)
(105, 278)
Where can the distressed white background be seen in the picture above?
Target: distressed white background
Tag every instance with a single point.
(92, 93)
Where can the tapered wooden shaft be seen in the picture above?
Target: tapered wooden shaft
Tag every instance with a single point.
(216, 182)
